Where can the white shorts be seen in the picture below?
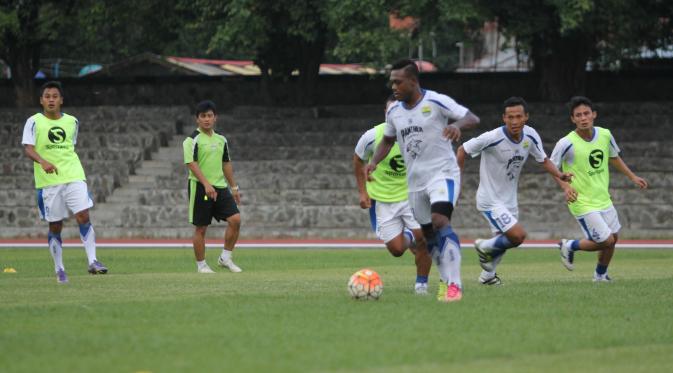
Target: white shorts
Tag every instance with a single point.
(57, 201)
(501, 219)
(599, 225)
(442, 190)
(389, 219)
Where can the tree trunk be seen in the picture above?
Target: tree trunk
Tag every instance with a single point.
(563, 73)
(24, 53)
(312, 55)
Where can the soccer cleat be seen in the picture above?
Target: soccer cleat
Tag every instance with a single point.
(486, 260)
(228, 264)
(205, 269)
(61, 277)
(602, 278)
(453, 293)
(567, 255)
(421, 288)
(97, 268)
(441, 291)
(495, 280)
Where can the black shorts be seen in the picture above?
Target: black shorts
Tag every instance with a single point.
(202, 209)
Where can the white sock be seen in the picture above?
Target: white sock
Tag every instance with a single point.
(409, 240)
(88, 236)
(443, 275)
(450, 263)
(56, 250)
(201, 264)
(226, 254)
(488, 244)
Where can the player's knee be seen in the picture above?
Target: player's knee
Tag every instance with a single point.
(82, 217)
(395, 250)
(441, 214)
(234, 221)
(56, 226)
(518, 237)
(610, 242)
(200, 230)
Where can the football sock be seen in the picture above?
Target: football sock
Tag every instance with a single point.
(409, 240)
(487, 274)
(56, 249)
(226, 254)
(496, 245)
(449, 264)
(201, 264)
(421, 279)
(88, 236)
(601, 269)
(574, 245)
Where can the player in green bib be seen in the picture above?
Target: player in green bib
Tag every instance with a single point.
(212, 190)
(49, 140)
(586, 153)
(386, 198)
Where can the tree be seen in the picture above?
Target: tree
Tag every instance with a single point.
(284, 38)
(24, 26)
(562, 36)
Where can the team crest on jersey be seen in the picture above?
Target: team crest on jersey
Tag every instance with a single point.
(426, 110)
(526, 144)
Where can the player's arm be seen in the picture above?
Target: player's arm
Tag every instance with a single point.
(33, 155)
(359, 171)
(454, 130)
(460, 158)
(561, 151)
(381, 152)
(554, 171)
(228, 170)
(618, 163)
(196, 170)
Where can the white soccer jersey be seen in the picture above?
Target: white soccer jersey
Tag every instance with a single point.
(365, 146)
(428, 155)
(501, 161)
(564, 149)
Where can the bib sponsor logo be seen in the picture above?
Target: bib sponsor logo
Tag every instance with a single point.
(56, 135)
(397, 163)
(596, 158)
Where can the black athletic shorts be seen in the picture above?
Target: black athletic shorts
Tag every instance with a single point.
(202, 209)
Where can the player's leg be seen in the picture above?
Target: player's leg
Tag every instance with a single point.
(442, 195)
(598, 237)
(51, 204)
(79, 202)
(605, 256)
(508, 233)
(423, 262)
(225, 208)
(200, 215)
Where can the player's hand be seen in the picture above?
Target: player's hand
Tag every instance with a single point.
(452, 132)
(642, 183)
(365, 201)
(48, 167)
(566, 176)
(571, 194)
(211, 192)
(237, 196)
(369, 169)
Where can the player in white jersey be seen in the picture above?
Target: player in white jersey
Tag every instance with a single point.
(425, 123)
(503, 151)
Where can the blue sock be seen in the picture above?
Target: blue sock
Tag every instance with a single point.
(84, 229)
(421, 279)
(57, 236)
(575, 245)
(447, 233)
(601, 269)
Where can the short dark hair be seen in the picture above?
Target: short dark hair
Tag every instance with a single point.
(515, 101)
(51, 84)
(576, 101)
(409, 66)
(204, 107)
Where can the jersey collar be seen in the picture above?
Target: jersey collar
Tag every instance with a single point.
(504, 130)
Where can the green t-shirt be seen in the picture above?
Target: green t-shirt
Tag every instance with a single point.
(208, 152)
(390, 176)
(589, 162)
(54, 141)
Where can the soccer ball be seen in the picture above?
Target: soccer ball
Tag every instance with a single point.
(365, 284)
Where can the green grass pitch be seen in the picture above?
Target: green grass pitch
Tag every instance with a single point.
(289, 311)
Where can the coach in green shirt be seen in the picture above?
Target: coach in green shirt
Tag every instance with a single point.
(586, 153)
(212, 191)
